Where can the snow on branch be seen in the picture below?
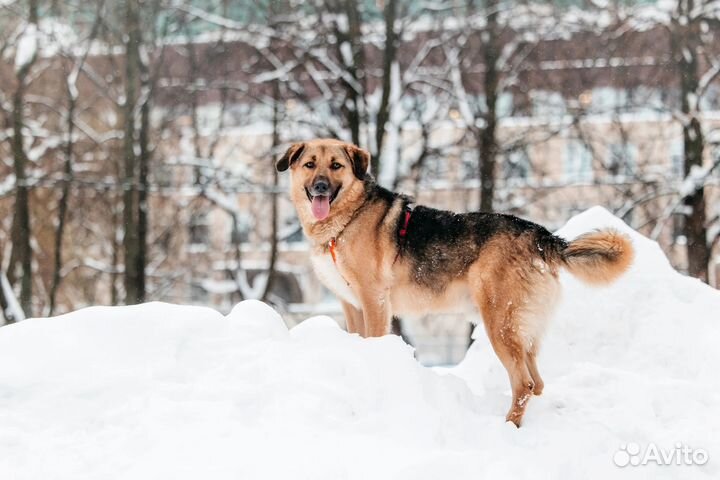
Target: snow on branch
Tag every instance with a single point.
(13, 313)
(27, 47)
(709, 76)
(466, 111)
(251, 31)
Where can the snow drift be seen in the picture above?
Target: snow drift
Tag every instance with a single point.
(163, 391)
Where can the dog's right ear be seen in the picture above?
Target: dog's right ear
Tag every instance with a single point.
(291, 156)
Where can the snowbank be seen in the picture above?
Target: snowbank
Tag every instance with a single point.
(162, 391)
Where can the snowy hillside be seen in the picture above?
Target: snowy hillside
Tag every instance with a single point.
(160, 391)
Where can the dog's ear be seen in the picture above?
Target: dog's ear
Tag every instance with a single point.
(291, 156)
(359, 158)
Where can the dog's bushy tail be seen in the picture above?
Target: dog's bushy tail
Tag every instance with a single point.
(598, 258)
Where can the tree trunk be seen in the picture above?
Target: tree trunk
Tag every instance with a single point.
(21, 233)
(22, 250)
(389, 55)
(114, 294)
(488, 134)
(356, 67)
(695, 229)
(133, 294)
(273, 197)
(63, 202)
(685, 53)
(143, 193)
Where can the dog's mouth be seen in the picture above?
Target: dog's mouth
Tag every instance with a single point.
(320, 204)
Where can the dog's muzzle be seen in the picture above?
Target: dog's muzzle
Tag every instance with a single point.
(320, 187)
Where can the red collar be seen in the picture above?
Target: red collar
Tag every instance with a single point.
(404, 229)
(332, 244)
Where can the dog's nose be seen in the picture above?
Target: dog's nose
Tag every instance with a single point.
(320, 187)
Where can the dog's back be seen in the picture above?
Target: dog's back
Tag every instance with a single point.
(441, 246)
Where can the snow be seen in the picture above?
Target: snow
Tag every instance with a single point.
(13, 309)
(27, 46)
(694, 181)
(46, 40)
(167, 391)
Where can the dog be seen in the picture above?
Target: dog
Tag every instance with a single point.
(382, 257)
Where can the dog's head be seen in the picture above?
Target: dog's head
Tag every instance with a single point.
(324, 173)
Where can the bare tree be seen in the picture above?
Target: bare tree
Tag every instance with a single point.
(690, 46)
(503, 34)
(22, 256)
(364, 71)
(691, 29)
(71, 70)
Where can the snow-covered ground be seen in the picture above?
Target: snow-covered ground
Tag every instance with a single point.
(161, 391)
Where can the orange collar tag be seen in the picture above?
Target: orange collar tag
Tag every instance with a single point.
(331, 247)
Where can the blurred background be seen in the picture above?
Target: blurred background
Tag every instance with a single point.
(139, 136)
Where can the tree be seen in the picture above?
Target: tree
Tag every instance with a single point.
(692, 29)
(503, 35)
(689, 47)
(72, 66)
(22, 255)
(360, 70)
(133, 244)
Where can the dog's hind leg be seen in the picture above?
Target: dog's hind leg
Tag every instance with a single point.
(513, 356)
(503, 324)
(531, 360)
(539, 307)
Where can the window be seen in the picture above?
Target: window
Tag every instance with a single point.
(163, 174)
(198, 294)
(294, 235)
(711, 100)
(436, 168)
(199, 230)
(646, 99)
(516, 165)
(677, 158)
(622, 159)
(607, 99)
(578, 161)
(164, 241)
(504, 105)
(678, 226)
(469, 164)
(547, 104)
(240, 231)
(670, 98)
(713, 141)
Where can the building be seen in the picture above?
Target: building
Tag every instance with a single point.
(585, 118)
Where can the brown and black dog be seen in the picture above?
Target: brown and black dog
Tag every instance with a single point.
(382, 259)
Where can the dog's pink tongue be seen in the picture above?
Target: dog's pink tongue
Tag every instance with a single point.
(321, 207)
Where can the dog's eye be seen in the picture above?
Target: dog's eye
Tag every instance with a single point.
(309, 165)
(336, 166)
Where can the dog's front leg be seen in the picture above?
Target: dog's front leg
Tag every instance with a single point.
(376, 313)
(353, 319)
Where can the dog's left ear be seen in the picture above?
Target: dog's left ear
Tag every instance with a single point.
(359, 158)
(291, 156)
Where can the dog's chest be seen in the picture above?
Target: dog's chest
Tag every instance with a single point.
(330, 276)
